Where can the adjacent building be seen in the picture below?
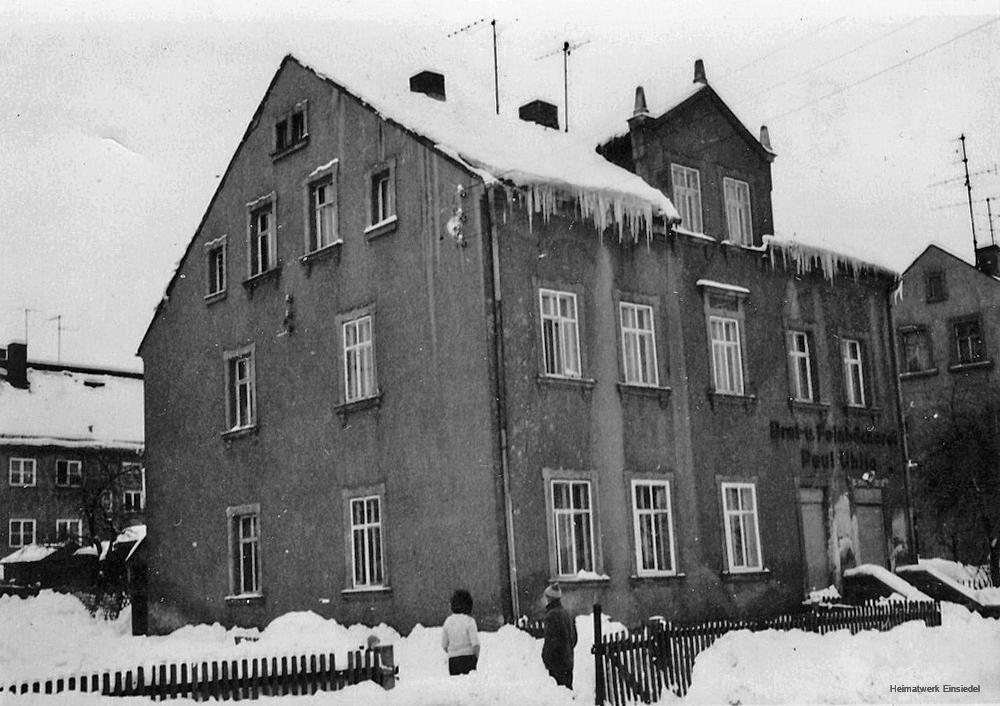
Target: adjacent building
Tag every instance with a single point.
(948, 331)
(71, 443)
(412, 346)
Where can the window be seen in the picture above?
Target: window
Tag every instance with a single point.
(367, 562)
(687, 196)
(573, 525)
(969, 346)
(739, 507)
(727, 357)
(244, 550)
(216, 257)
(638, 344)
(801, 364)
(134, 495)
(291, 129)
(934, 286)
(21, 532)
(132, 500)
(654, 534)
(262, 240)
(560, 334)
(69, 474)
(359, 359)
(854, 374)
(740, 226)
(916, 354)
(322, 213)
(241, 398)
(69, 529)
(21, 472)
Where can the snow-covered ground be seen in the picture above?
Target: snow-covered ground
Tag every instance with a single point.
(53, 634)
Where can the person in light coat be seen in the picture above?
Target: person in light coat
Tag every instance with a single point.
(560, 638)
(459, 636)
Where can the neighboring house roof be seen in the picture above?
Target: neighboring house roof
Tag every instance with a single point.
(954, 256)
(73, 408)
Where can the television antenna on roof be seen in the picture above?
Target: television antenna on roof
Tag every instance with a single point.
(473, 27)
(566, 48)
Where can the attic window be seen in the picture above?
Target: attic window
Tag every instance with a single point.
(291, 130)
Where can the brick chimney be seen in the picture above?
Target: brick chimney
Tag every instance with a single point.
(541, 112)
(988, 260)
(14, 365)
(430, 83)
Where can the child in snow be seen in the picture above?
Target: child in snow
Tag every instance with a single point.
(459, 636)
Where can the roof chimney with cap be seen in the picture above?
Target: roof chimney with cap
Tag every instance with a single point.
(430, 83)
(14, 365)
(699, 72)
(541, 112)
(640, 108)
(765, 138)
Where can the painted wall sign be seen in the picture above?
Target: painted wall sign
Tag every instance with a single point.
(862, 443)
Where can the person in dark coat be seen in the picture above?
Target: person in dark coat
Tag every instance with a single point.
(560, 638)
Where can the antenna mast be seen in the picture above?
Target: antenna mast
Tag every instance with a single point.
(989, 215)
(470, 28)
(968, 188)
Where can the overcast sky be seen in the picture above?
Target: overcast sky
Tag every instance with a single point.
(117, 121)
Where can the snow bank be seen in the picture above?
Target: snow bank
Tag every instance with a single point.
(801, 667)
(30, 553)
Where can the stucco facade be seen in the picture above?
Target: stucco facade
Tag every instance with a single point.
(493, 440)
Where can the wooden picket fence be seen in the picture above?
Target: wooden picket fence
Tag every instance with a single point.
(242, 678)
(638, 667)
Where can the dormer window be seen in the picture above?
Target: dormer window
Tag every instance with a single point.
(687, 196)
(291, 130)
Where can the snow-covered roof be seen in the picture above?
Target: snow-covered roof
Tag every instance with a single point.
(907, 591)
(134, 535)
(548, 163)
(73, 409)
(30, 553)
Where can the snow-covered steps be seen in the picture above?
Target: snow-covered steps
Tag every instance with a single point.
(939, 586)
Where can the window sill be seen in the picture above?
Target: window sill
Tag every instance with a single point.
(852, 411)
(325, 252)
(245, 599)
(255, 281)
(656, 578)
(215, 297)
(565, 581)
(383, 227)
(285, 151)
(730, 399)
(347, 408)
(656, 391)
(805, 405)
(238, 433)
(919, 374)
(373, 591)
(746, 576)
(584, 385)
(962, 367)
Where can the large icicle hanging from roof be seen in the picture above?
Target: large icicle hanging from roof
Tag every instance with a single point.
(806, 258)
(603, 208)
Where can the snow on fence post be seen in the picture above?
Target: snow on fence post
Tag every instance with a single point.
(387, 666)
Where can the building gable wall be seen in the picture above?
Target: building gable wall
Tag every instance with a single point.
(430, 441)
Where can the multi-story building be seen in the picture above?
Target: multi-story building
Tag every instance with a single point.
(412, 347)
(948, 331)
(71, 442)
